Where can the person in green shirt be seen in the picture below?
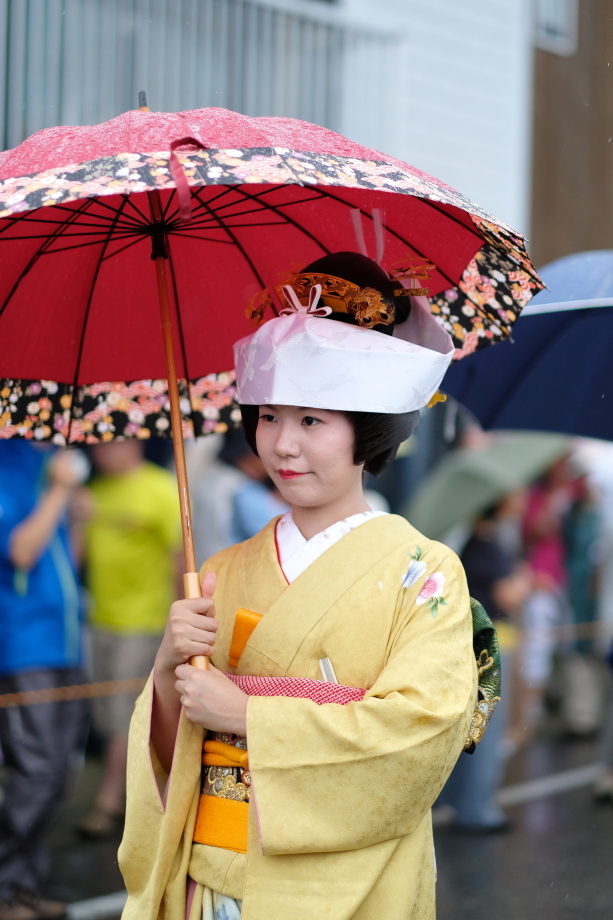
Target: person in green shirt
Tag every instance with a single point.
(132, 558)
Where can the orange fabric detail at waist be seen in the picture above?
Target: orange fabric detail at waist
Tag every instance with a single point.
(222, 823)
(214, 752)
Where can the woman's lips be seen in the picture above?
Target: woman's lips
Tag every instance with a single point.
(289, 474)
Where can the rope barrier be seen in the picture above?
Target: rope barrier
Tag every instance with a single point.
(73, 692)
(90, 691)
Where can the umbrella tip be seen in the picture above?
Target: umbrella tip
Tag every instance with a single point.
(142, 101)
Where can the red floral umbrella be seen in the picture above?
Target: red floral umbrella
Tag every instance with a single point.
(84, 210)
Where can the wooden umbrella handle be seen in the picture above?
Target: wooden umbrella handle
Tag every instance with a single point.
(191, 589)
(191, 582)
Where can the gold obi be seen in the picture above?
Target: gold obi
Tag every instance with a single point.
(223, 810)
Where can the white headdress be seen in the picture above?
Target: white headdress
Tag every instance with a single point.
(301, 359)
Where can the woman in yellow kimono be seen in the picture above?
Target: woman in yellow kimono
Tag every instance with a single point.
(306, 808)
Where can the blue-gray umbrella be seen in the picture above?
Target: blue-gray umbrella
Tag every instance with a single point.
(557, 372)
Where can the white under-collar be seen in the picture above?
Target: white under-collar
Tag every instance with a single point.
(296, 553)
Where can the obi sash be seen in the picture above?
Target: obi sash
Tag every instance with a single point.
(223, 809)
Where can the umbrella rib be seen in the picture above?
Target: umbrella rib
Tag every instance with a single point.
(102, 204)
(9, 222)
(412, 246)
(200, 207)
(432, 204)
(239, 246)
(204, 239)
(51, 252)
(194, 195)
(49, 220)
(289, 204)
(144, 220)
(276, 223)
(290, 220)
(71, 236)
(41, 251)
(262, 205)
(232, 204)
(116, 252)
(127, 200)
(315, 194)
(168, 203)
(260, 209)
(85, 319)
(203, 221)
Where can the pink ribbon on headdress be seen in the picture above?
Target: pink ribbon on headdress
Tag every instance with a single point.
(378, 226)
(296, 307)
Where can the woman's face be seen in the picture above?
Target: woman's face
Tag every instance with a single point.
(308, 454)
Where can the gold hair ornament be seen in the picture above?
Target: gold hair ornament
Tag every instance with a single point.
(414, 270)
(437, 398)
(366, 304)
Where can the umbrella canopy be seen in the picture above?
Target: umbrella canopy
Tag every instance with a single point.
(78, 293)
(467, 481)
(83, 211)
(555, 375)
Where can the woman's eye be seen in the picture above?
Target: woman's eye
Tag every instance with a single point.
(267, 418)
(310, 421)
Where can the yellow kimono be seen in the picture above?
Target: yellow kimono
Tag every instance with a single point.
(340, 827)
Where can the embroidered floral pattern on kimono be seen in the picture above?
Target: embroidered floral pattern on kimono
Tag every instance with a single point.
(415, 570)
(431, 593)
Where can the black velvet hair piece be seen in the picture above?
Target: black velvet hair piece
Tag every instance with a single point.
(377, 435)
(365, 272)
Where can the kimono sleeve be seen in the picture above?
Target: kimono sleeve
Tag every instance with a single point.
(335, 778)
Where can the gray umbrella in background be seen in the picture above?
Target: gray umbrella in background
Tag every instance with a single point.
(581, 280)
(468, 480)
(556, 373)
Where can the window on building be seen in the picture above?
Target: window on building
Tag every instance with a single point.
(557, 26)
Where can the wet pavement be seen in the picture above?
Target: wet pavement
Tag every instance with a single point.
(555, 863)
(82, 869)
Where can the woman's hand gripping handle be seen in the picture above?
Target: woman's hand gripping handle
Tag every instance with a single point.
(193, 590)
(190, 630)
(189, 636)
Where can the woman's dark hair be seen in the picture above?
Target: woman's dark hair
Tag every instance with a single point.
(365, 272)
(377, 435)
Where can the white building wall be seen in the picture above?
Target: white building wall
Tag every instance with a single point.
(456, 96)
(443, 84)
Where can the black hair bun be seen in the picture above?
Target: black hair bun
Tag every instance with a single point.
(365, 272)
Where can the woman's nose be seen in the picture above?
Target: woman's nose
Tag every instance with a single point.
(287, 445)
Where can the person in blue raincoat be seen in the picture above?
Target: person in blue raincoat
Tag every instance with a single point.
(40, 625)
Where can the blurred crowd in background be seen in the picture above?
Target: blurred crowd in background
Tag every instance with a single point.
(90, 559)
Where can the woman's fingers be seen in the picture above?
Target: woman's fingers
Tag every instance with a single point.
(197, 621)
(212, 700)
(203, 606)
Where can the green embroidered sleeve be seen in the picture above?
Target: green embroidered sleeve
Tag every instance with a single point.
(485, 645)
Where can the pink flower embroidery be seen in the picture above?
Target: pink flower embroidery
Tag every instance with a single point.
(432, 588)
